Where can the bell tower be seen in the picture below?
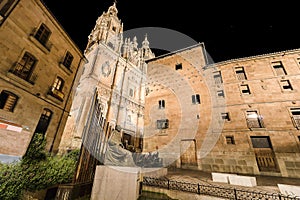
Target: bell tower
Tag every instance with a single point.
(108, 30)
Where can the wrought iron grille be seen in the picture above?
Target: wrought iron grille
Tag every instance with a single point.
(214, 190)
(95, 135)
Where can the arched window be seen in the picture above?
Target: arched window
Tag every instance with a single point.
(44, 121)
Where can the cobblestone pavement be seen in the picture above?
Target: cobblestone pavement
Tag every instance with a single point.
(264, 183)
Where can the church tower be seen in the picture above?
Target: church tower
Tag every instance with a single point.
(116, 70)
(108, 30)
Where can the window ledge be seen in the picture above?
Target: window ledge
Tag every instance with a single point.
(19, 80)
(288, 91)
(65, 69)
(54, 99)
(162, 132)
(39, 45)
(258, 129)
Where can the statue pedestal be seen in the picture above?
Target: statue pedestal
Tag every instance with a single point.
(118, 183)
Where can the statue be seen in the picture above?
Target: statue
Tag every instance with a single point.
(116, 154)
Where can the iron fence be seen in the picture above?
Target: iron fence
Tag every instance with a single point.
(214, 190)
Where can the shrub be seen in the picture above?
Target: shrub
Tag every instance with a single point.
(37, 170)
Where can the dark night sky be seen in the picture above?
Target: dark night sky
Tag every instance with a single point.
(228, 30)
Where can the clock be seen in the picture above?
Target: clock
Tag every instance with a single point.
(106, 69)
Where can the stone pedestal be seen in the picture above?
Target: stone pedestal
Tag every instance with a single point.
(118, 183)
(291, 190)
(221, 177)
(247, 181)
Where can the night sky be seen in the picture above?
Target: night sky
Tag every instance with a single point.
(228, 30)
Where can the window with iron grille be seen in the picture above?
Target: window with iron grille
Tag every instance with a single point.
(296, 116)
(68, 60)
(254, 120)
(196, 99)
(279, 68)
(261, 142)
(162, 124)
(43, 34)
(24, 67)
(218, 77)
(240, 73)
(161, 104)
(8, 101)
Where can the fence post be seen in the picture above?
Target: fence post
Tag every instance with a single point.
(235, 195)
(198, 188)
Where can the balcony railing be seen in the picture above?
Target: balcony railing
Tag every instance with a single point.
(56, 93)
(19, 71)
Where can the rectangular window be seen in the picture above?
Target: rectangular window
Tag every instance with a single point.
(5, 8)
(196, 99)
(278, 68)
(131, 92)
(8, 100)
(162, 124)
(230, 140)
(218, 77)
(68, 60)
(225, 116)
(161, 104)
(178, 66)
(254, 120)
(24, 68)
(261, 142)
(286, 85)
(240, 73)
(245, 89)
(56, 89)
(58, 84)
(220, 93)
(43, 34)
(296, 117)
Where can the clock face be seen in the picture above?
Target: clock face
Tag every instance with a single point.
(106, 69)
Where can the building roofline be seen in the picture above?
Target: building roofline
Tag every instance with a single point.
(174, 52)
(257, 56)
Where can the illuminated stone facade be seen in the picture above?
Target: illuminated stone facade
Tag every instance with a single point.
(39, 63)
(245, 120)
(116, 69)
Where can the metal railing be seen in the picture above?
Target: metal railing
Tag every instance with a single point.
(214, 190)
